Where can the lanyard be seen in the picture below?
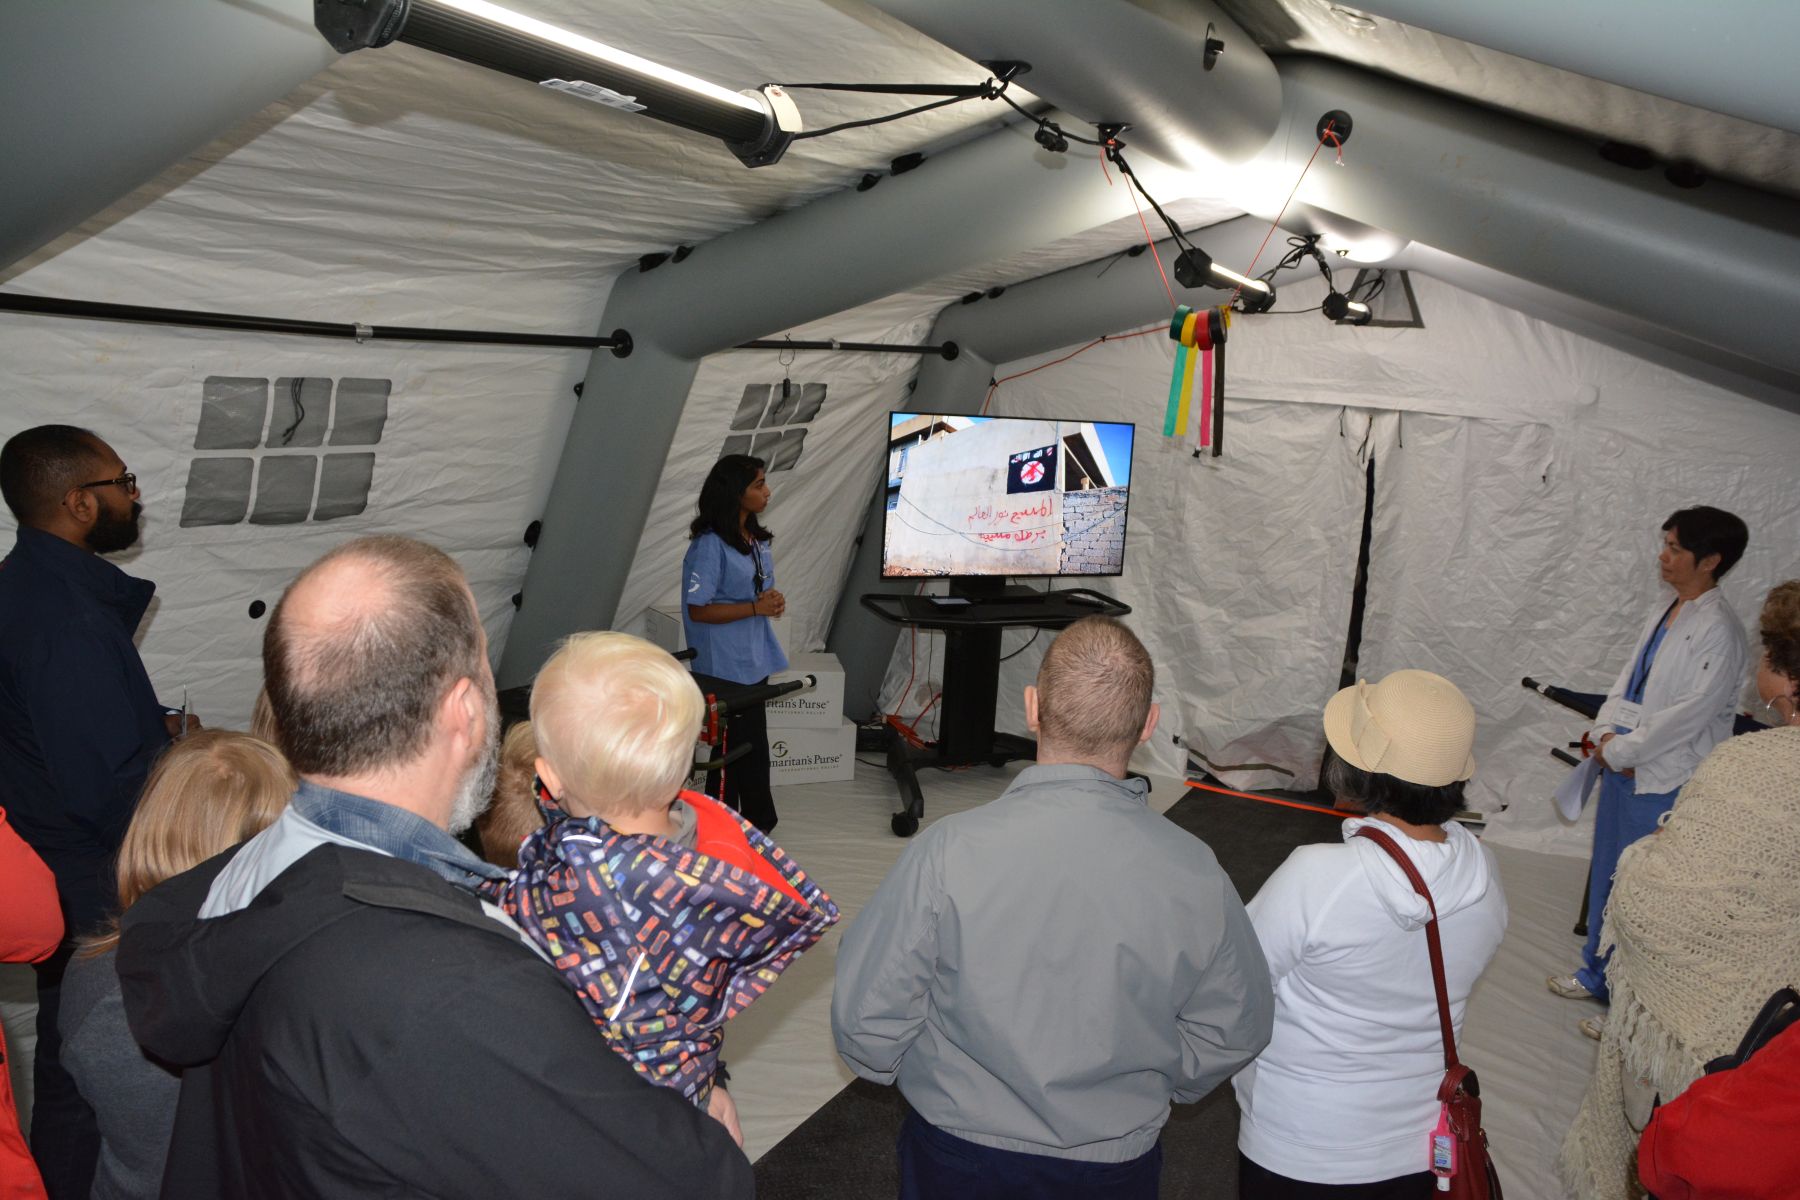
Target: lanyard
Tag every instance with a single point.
(756, 557)
(1640, 677)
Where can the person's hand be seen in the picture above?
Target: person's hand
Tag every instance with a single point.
(770, 604)
(177, 729)
(723, 1109)
(1600, 753)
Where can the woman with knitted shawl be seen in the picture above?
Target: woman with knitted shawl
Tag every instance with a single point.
(1705, 923)
(667, 913)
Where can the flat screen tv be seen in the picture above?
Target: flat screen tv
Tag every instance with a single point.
(1005, 496)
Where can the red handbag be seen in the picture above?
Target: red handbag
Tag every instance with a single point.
(1459, 1143)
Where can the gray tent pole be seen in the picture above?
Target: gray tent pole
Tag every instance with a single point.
(102, 95)
(983, 200)
(862, 641)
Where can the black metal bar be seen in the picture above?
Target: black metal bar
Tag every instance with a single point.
(93, 310)
(949, 350)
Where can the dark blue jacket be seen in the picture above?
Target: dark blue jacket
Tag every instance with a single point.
(79, 722)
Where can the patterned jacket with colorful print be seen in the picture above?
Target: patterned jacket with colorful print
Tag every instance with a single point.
(664, 943)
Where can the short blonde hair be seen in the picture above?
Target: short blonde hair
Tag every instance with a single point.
(208, 792)
(514, 813)
(617, 718)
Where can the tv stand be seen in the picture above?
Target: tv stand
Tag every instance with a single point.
(979, 609)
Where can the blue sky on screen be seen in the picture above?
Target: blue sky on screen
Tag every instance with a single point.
(1115, 441)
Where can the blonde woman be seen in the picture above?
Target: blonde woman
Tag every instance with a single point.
(207, 793)
(514, 814)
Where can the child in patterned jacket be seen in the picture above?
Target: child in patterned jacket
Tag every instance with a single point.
(667, 912)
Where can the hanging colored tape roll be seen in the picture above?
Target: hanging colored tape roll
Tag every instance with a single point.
(1173, 424)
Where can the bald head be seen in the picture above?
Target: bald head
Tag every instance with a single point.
(1093, 693)
(360, 650)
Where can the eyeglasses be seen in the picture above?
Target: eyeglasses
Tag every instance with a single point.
(128, 481)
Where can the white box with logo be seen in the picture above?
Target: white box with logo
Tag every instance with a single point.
(805, 755)
(818, 707)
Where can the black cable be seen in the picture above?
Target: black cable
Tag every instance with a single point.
(1045, 123)
(1025, 647)
(813, 133)
(294, 387)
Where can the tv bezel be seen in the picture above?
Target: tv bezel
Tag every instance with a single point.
(885, 511)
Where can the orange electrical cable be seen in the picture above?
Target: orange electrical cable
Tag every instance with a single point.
(1314, 808)
(1323, 134)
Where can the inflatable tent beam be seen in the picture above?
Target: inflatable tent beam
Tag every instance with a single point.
(102, 95)
(1740, 63)
(1719, 264)
(983, 200)
(1061, 309)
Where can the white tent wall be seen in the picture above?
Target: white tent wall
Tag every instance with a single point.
(460, 464)
(1515, 529)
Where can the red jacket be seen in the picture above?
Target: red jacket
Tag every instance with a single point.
(1731, 1135)
(31, 926)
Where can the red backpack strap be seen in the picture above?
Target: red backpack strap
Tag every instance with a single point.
(1431, 936)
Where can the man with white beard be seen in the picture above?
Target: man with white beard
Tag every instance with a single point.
(349, 1019)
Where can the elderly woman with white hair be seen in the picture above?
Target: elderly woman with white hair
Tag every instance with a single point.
(1343, 1102)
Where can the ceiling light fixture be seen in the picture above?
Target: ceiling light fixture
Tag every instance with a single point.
(756, 126)
(1340, 308)
(1195, 268)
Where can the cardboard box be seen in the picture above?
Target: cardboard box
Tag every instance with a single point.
(819, 707)
(662, 627)
(812, 755)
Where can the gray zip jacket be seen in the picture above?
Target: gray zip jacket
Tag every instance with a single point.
(1047, 972)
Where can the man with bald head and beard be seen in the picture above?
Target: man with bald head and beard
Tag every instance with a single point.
(80, 724)
(349, 1019)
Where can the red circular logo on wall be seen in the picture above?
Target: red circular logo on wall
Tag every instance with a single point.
(1031, 472)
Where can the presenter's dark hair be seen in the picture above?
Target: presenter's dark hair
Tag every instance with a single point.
(39, 466)
(720, 498)
(1710, 531)
(1372, 792)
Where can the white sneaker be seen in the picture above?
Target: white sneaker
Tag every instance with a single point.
(1568, 987)
(1594, 1027)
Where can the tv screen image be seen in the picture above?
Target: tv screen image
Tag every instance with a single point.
(1015, 496)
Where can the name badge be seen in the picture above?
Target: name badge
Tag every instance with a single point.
(1626, 715)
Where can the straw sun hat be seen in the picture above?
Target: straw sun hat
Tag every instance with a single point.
(1412, 725)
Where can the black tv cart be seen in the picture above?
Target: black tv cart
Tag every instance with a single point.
(972, 617)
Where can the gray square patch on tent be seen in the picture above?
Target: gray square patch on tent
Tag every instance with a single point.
(737, 443)
(284, 489)
(232, 412)
(300, 413)
(344, 484)
(780, 450)
(801, 404)
(750, 408)
(218, 491)
(361, 412)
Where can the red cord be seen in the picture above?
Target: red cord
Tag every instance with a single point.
(1148, 240)
(1323, 134)
(1110, 337)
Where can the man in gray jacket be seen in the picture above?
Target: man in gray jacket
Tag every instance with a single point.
(1043, 975)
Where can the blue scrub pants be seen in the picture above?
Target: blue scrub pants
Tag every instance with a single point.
(1624, 815)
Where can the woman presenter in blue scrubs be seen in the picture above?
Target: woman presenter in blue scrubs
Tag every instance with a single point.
(728, 596)
(1672, 703)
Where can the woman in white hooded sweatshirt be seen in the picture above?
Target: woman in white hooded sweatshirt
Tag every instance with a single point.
(1343, 1101)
